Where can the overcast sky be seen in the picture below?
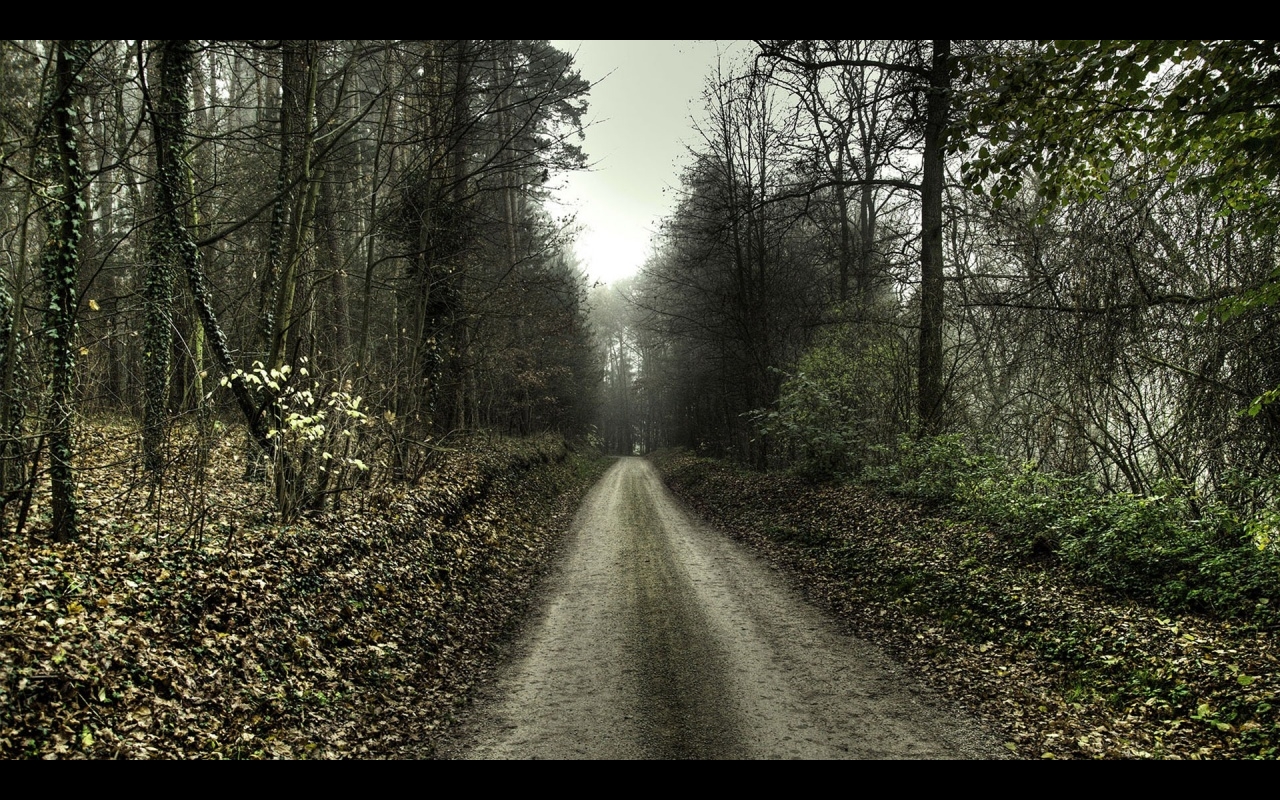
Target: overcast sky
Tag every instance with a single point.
(643, 96)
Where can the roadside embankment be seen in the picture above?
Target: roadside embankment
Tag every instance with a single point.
(349, 634)
(1063, 668)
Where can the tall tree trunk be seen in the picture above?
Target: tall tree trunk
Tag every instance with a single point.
(297, 139)
(13, 454)
(171, 137)
(61, 266)
(931, 270)
(384, 148)
(331, 288)
(157, 293)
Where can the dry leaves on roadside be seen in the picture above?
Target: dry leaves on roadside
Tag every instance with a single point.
(1063, 669)
(348, 634)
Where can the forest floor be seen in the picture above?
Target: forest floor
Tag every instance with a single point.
(197, 626)
(1062, 669)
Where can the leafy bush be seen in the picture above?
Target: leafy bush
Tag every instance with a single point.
(315, 433)
(1172, 547)
(1162, 549)
(937, 469)
(1026, 499)
(836, 413)
(1126, 542)
(813, 426)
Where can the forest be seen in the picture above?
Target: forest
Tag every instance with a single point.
(1024, 286)
(1034, 280)
(275, 314)
(337, 246)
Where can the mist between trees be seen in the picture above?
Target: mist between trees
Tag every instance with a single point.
(338, 247)
(938, 261)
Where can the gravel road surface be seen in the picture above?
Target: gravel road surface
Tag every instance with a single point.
(660, 638)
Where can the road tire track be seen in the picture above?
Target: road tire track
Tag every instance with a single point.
(659, 638)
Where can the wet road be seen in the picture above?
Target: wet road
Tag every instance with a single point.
(660, 638)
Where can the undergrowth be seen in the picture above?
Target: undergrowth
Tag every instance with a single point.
(343, 633)
(1172, 547)
(1081, 625)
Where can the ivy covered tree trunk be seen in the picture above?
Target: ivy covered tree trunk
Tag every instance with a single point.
(61, 262)
(173, 185)
(12, 453)
(157, 291)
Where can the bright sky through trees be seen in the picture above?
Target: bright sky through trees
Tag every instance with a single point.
(643, 96)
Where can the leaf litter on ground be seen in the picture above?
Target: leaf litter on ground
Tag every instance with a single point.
(1062, 668)
(196, 626)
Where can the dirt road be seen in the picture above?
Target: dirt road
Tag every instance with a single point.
(661, 639)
